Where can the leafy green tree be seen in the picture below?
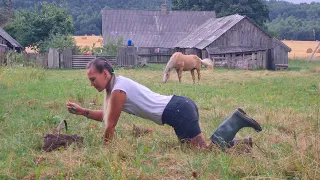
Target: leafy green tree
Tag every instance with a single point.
(3, 17)
(86, 14)
(57, 41)
(295, 21)
(30, 28)
(109, 49)
(6, 11)
(256, 10)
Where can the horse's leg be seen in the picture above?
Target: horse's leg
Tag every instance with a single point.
(199, 74)
(179, 72)
(193, 77)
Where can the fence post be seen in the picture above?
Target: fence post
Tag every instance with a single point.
(127, 56)
(53, 58)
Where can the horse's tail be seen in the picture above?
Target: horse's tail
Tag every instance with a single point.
(207, 63)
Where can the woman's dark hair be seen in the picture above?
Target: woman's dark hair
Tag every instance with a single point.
(100, 64)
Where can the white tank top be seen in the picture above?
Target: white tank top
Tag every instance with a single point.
(141, 101)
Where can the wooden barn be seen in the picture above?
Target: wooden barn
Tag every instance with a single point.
(235, 41)
(154, 32)
(7, 43)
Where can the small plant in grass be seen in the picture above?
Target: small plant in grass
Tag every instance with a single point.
(52, 119)
(15, 58)
(2, 117)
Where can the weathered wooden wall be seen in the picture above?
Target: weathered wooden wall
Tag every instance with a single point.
(256, 60)
(194, 51)
(155, 55)
(244, 33)
(2, 54)
(66, 59)
(280, 57)
(53, 58)
(3, 49)
(38, 59)
(127, 56)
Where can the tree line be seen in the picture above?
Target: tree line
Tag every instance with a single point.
(294, 21)
(39, 23)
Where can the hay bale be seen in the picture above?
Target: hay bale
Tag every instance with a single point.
(309, 50)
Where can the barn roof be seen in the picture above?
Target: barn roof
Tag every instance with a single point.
(7, 37)
(212, 29)
(209, 31)
(151, 28)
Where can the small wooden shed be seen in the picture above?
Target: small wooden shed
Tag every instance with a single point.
(7, 43)
(235, 41)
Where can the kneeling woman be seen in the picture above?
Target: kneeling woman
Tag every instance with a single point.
(124, 94)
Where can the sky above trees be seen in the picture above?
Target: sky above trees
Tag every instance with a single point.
(302, 1)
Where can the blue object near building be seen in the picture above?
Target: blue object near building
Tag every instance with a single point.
(130, 42)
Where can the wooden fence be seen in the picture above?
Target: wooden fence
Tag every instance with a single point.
(127, 57)
(155, 55)
(39, 59)
(81, 61)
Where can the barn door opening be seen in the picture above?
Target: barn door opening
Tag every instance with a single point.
(270, 59)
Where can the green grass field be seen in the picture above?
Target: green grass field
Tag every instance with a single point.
(286, 103)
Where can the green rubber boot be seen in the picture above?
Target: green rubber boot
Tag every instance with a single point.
(225, 133)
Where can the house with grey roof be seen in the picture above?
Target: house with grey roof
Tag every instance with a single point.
(233, 41)
(7, 43)
(154, 29)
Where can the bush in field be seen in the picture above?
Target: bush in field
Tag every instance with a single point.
(109, 49)
(58, 41)
(14, 58)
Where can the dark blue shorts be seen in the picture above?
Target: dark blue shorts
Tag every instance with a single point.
(182, 114)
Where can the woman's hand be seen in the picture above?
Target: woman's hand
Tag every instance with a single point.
(108, 136)
(74, 108)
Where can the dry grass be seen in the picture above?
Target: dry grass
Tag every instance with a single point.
(302, 49)
(88, 41)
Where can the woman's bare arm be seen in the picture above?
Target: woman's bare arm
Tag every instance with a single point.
(117, 100)
(92, 114)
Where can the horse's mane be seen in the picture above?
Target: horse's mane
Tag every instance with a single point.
(169, 65)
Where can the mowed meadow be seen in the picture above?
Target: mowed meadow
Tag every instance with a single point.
(303, 49)
(285, 103)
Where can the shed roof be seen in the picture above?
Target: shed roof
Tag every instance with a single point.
(151, 28)
(209, 31)
(10, 39)
(212, 29)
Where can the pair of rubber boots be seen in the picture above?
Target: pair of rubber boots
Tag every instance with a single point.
(224, 135)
